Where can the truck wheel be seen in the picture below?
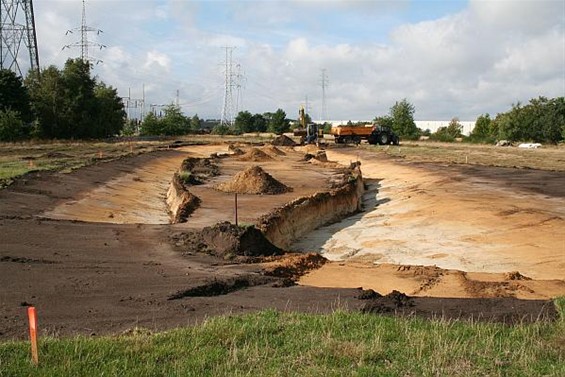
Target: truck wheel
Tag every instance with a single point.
(356, 140)
(383, 140)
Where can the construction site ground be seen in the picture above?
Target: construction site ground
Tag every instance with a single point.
(93, 250)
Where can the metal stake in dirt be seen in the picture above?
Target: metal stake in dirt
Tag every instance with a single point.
(236, 209)
(33, 334)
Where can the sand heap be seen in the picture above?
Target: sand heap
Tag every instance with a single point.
(284, 141)
(272, 150)
(254, 180)
(234, 149)
(255, 154)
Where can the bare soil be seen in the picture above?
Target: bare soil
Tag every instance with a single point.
(92, 250)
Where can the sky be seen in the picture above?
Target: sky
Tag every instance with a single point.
(447, 58)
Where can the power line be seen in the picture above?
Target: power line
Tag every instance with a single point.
(84, 42)
(13, 33)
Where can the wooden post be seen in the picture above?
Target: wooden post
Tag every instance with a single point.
(236, 209)
(33, 334)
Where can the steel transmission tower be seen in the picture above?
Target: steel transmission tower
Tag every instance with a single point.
(324, 82)
(16, 29)
(227, 107)
(84, 43)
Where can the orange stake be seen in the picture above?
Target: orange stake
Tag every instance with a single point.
(33, 334)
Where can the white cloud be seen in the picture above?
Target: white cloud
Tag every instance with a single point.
(481, 59)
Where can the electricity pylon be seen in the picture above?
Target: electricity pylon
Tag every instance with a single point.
(17, 27)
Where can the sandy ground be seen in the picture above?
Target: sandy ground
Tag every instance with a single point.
(480, 223)
(91, 249)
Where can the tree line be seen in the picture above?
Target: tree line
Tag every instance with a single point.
(541, 120)
(58, 104)
(69, 103)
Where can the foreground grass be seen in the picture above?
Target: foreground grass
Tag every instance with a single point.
(271, 343)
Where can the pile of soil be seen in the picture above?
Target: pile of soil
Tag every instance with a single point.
(221, 287)
(235, 150)
(284, 141)
(497, 309)
(271, 149)
(200, 169)
(254, 180)
(255, 154)
(228, 241)
(386, 304)
(294, 266)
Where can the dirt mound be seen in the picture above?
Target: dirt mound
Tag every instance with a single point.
(515, 275)
(254, 180)
(284, 141)
(196, 170)
(271, 149)
(294, 266)
(228, 241)
(387, 304)
(235, 150)
(221, 287)
(255, 154)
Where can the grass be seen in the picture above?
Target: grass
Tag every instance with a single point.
(546, 158)
(271, 343)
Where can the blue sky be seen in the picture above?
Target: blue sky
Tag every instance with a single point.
(448, 58)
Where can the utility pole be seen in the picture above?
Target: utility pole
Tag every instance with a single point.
(15, 30)
(324, 82)
(84, 42)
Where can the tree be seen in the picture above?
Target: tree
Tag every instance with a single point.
(195, 123)
(150, 125)
(47, 99)
(244, 122)
(385, 121)
(278, 123)
(110, 109)
(482, 130)
(11, 125)
(173, 121)
(402, 114)
(541, 120)
(72, 104)
(79, 112)
(14, 95)
(449, 133)
(259, 123)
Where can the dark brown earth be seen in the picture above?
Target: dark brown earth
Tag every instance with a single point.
(102, 278)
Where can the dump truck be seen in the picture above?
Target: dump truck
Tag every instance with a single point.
(373, 134)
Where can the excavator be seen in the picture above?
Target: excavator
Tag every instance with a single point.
(309, 133)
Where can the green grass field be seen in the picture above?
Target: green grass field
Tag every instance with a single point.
(271, 343)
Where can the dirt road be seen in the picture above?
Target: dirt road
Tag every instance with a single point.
(482, 221)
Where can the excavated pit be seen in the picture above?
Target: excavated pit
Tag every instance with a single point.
(295, 212)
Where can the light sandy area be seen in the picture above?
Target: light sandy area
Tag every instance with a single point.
(417, 215)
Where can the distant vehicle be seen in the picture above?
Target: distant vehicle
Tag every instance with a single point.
(309, 133)
(373, 134)
(383, 135)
